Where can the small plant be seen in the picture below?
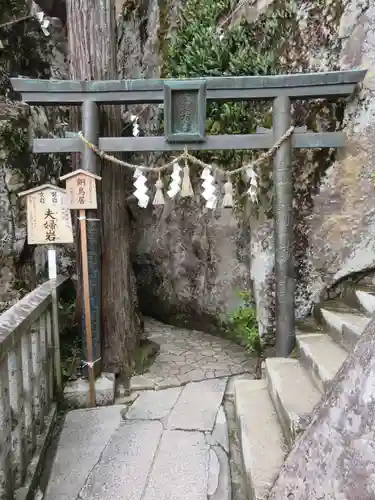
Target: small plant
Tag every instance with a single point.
(71, 350)
(70, 337)
(242, 324)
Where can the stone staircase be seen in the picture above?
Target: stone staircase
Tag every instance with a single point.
(271, 413)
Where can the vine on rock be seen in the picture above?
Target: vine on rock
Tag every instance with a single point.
(199, 47)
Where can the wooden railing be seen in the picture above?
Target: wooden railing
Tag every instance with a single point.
(30, 381)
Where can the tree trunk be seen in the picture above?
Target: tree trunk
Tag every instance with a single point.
(92, 47)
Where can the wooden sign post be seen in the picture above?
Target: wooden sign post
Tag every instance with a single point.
(81, 190)
(48, 223)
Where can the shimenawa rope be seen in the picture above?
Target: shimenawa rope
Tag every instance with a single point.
(187, 156)
(183, 186)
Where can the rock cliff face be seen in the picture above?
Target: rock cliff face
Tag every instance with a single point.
(337, 227)
(26, 52)
(190, 263)
(342, 222)
(334, 457)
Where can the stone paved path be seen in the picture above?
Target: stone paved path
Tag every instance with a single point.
(165, 444)
(189, 356)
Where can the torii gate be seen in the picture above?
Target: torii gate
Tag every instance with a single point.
(188, 131)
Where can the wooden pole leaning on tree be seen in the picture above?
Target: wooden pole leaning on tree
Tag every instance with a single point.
(87, 308)
(81, 189)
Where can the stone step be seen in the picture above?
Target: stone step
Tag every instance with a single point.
(344, 327)
(261, 438)
(321, 356)
(122, 471)
(83, 439)
(293, 394)
(179, 470)
(366, 300)
(360, 297)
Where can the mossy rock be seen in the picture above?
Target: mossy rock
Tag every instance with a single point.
(145, 356)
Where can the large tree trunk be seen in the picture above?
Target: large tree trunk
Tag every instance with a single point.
(92, 46)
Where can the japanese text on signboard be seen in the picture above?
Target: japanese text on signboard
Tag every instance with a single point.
(81, 190)
(48, 218)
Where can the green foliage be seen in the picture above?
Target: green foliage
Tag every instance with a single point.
(12, 9)
(70, 356)
(198, 47)
(71, 340)
(22, 45)
(14, 139)
(243, 325)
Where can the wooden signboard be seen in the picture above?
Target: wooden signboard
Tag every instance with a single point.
(48, 216)
(81, 189)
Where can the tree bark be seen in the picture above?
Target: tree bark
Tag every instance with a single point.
(92, 46)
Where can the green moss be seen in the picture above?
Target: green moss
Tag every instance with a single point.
(164, 9)
(129, 7)
(145, 356)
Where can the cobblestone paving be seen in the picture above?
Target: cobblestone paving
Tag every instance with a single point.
(190, 356)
